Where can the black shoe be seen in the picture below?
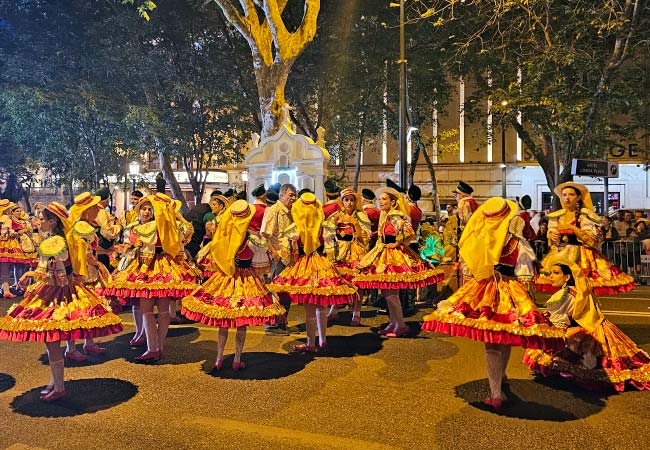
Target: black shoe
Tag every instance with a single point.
(300, 328)
(276, 331)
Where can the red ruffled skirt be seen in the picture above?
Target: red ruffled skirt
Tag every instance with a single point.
(395, 268)
(605, 358)
(313, 279)
(50, 313)
(605, 278)
(11, 252)
(497, 312)
(163, 277)
(241, 300)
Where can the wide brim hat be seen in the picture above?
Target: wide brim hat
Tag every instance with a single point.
(357, 198)
(164, 198)
(103, 193)
(414, 193)
(241, 209)
(4, 205)
(331, 187)
(524, 202)
(272, 197)
(391, 184)
(367, 194)
(388, 190)
(584, 192)
(83, 202)
(463, 188)
(223, 199)
(58, 210)
(139, 204)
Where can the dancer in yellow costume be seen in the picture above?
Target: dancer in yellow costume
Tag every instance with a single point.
(310, 278)
(159, 272)
(17, 249)
(58, 306)
(493, 306)
(597, 354)
(236, 297)
(574, 235)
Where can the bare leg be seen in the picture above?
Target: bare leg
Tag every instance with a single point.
(163, 321)
(356, 310)
(221, 343)
(395, 309)
(495, 358)
(56, 366)
(311, 323)
(149, 322)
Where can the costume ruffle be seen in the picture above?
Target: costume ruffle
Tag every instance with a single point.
(605, 278)
(607, 357)
(497, 312)
(395, 268)
(163, 277)
(313, 279)
(347, 266)
(242, 300)
(59, 313)
(12, 252)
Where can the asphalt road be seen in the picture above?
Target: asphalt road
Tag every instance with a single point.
(366, 392)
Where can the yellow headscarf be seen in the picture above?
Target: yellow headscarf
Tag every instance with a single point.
(586, 310)
(77, 246)
(307, 213)
(230, 235)
(164, 210)
(484, 236)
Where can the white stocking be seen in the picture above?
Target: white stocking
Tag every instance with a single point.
(240, 338)
(137, 319)
(150, 330)
(56, 365)
(494, 362)
(163, 326)
(311, 323)
(505, 357)
(321, 321)
(221, 343)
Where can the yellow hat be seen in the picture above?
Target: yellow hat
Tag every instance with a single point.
(58, 210)
(582, 189)
(307, 214)
(4, 205)
(230, 235)
(82, 202)
(357, 198)
(485, 234)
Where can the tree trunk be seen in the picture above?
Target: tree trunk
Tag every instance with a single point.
(434, 182)
(357, 169)
(170, 178)
(270, 86)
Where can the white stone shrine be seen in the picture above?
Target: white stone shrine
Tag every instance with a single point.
(287, 157)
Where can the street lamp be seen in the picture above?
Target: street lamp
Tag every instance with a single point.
(244, 178)
(402, 99)
(504, 103)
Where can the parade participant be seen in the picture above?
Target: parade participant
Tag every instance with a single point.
(574, 234)
(493, 307)
(58, 306)
(218, 205)
(524, 204)
(261, 261)
(368, 199)
(450, 234)
(332, 194)
(597, 354)
(82, 213)
(236, 297)
(466, 203)
(130, 216)
(159, 272)
(309, 278)
(431, 249)
(272, 198)
(413, 195)
(277, 218)
(17, 249)
(347, 243)
(391, 265)
(107, 225)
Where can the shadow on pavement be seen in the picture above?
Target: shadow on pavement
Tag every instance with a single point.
(178, 337)
(360, 344)
(260, 366)
(6, 382)
(84, 397)
(554, 400)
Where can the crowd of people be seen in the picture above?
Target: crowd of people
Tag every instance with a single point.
(234, 264)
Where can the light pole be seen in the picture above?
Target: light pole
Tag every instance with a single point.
(402, 99)
(134, 171)
(504, 103)
(244, 178)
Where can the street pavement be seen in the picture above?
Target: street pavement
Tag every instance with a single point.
(366, 393)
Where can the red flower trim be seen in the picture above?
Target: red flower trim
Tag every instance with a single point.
(232, 323)
(321, 300)
(126, 293)
(598, 290)
(58, 335)
(492, 336)
(399, 284)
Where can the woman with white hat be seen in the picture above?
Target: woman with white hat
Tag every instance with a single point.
(17, 250)
(58, 306)
(236, 297)
(159, 272)
(574, 234)
(493, 306)
(392, 265)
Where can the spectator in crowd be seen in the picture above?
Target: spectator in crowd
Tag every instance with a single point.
(624, 222)
(639, 216)
(610, 234)
(643, 235)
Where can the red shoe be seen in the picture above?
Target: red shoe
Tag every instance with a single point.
(8, 295)
(238, 365)
(139, 342)
(94, 349)
(495, 403)
(149, 356)
(218, 363)
(304, 348)
(75, 356)
(400, 332)
(53, 396)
